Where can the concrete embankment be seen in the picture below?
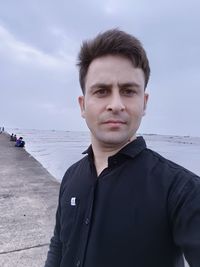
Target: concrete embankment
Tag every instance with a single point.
(28, 201)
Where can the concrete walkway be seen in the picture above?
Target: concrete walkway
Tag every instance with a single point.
(28, 201)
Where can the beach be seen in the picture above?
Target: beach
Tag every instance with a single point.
(28, 200)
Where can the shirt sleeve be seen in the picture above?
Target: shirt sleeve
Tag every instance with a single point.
(54, 255)
(185, 217)
(55, 248)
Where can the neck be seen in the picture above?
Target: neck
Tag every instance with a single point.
(103, 151)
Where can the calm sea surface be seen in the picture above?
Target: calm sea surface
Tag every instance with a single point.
(57, 150)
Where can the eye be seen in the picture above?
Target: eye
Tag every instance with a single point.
(101, 92)
(128, 91)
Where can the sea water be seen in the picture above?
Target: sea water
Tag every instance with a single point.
(57, 150)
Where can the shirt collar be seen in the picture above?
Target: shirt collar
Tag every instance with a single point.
(132, 149)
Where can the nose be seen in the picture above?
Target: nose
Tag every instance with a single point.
(115, 103)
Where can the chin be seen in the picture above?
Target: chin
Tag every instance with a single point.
(114, 139)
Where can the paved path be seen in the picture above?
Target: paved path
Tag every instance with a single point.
(28, 200)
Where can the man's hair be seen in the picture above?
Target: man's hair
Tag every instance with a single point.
(112, 42)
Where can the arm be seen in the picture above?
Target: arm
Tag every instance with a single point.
(55, 248)
(54, 255)
(185, 217)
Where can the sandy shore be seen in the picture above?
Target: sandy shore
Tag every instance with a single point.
(28, 200)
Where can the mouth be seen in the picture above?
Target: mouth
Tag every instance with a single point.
(114, 122)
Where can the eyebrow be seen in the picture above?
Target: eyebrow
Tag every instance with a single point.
(106, 85)
(102, 85)
(129, 84)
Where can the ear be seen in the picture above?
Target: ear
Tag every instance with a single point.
(146, 97)
(81, 100)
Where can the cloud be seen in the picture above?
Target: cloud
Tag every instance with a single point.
(26, 68)
(39, 43)
(26, 54)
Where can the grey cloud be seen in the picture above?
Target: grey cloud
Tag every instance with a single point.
(43, 79)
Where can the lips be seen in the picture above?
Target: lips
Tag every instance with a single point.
(114, 122)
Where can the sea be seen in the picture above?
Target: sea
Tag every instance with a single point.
(57, 150)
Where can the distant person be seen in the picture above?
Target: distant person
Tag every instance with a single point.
(1, 129)
(12, 137)
(20, 142)
(15, 138)
(122, 205)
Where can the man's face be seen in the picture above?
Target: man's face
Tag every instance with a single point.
(114, 100)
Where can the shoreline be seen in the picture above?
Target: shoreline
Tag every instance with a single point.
(58, 150)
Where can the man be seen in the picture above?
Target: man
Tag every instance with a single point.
(122, 204)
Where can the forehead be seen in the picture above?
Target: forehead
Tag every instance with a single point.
(113, 69)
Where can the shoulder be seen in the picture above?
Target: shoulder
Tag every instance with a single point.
(181, 186)
(165, 164)
(181, 180)
(171, 173)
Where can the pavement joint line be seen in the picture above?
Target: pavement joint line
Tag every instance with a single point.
(22, 249)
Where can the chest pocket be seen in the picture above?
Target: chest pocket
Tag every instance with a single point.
(69, 216)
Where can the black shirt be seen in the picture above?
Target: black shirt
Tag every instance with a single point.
(141, 211)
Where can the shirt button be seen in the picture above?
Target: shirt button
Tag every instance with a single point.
(87, 221)
(78, 263)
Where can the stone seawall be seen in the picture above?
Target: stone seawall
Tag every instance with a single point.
(28, 201)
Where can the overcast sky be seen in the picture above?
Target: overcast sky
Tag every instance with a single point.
(40, 40)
